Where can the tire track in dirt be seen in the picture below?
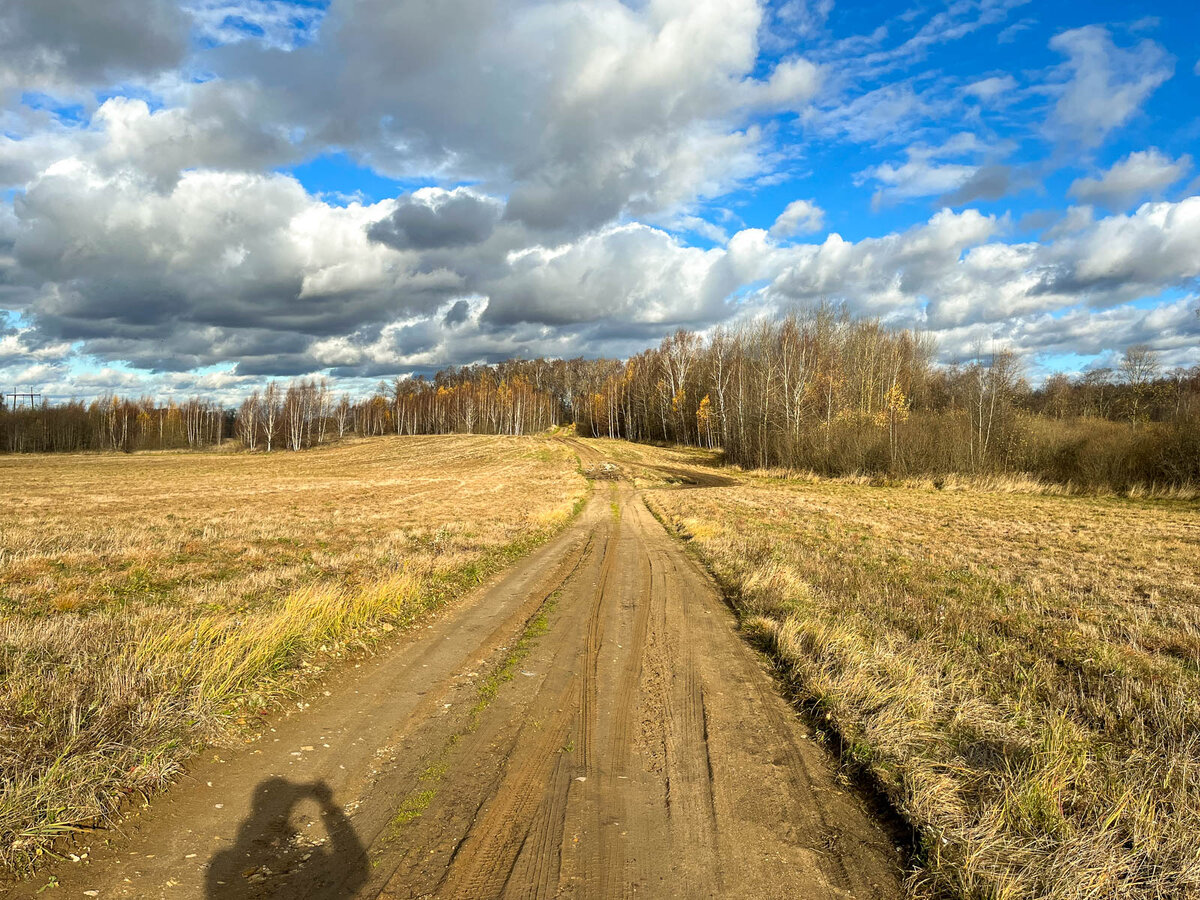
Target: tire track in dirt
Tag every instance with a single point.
(588, 725)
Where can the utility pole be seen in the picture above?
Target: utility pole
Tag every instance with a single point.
(31, 396)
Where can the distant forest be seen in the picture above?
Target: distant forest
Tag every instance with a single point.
(818, 391)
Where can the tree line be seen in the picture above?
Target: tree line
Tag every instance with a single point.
(817, 390)
(481, 399)
(112, 423)
(826, 392)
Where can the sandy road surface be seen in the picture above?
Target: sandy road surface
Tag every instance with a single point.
(589, 725)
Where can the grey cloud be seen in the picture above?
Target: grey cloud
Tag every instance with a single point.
(218, 254)
(15, 292)
(278, 365)
(218, 125)
(456, 314)
(566, 202)
(438, 219)
(1086, 331)
(191, 347)
(939, 171)
(23, 347)
(419, 337)
(226, 267)
(577, 112)
(1120, 258)
(61, 44)
(1038, 219)
(988, 183)
(375, 370)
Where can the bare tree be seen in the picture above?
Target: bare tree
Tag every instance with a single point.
(1139, 369)
(247, 421)
(269, 416)
(341, 414)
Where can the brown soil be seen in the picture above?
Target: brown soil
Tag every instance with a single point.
(589, 725)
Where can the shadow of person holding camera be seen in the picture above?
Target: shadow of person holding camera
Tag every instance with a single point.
(281, 851)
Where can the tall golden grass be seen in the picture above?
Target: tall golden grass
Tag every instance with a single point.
(157, 602)
(1018, 670)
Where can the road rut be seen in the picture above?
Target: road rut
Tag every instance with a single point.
(588, 725)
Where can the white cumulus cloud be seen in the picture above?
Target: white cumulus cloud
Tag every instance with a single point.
(799, 217)
(1107, 84)
(1140, 174)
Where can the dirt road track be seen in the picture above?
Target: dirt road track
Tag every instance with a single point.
(589, 725)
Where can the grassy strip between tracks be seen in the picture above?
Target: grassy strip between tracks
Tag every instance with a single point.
(419, 799)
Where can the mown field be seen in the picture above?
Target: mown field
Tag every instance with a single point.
(154, 602)
(1018, 670)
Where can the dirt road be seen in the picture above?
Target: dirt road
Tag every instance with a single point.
(589, 725)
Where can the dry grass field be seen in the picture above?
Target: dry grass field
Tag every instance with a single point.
(153, 602)
(1019, 671)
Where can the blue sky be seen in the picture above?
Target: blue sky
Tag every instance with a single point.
(196, 197)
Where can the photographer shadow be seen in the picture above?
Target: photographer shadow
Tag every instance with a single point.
(281, 851)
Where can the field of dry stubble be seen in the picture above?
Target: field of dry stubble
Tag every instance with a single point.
(152, 602)
(1018, 669)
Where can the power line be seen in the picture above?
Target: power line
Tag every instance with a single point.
(31, 396)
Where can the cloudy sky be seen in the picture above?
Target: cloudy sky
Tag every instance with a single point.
(200, 195)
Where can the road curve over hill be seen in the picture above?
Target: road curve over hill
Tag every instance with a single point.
(587, 725)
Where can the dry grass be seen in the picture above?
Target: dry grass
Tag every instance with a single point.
(1011, 483)
(1019, 671)
(154, 602)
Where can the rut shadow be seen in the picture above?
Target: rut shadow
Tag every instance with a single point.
(283, 852)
